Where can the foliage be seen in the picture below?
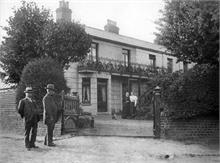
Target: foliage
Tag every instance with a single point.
(37, 74)
(32, 34)
(24, 41)
(66, 42)
(190, 94)
(190, 30)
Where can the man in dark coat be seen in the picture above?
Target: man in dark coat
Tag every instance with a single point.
(50, 114)
(28, 110)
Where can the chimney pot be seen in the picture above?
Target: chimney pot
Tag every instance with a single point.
(111, 26)
(63, 13)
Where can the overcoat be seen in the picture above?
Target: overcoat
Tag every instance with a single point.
(28, 110)
(51, 109)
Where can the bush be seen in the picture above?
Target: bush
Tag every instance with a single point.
(37, 74)
(193, 93)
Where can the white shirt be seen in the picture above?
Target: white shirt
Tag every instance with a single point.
(134, 99)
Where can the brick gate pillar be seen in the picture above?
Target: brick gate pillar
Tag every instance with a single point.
(156, 111)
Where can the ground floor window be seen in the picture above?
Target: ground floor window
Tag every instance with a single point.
(86, 91)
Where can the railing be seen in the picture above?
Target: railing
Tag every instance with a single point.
(119, 67)
(70, 114)
(71, 105)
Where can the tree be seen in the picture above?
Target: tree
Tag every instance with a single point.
(66, 42)
(24, 40)
(190, 30)
(37, 74)
(32, 34)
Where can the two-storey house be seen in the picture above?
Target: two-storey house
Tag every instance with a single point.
(115, 64)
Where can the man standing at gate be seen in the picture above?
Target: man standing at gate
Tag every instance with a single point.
(28, 110)
(50, 114)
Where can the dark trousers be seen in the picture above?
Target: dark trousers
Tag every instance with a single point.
(126, 110)
(30, 127)
(132, 109)
(49, 136)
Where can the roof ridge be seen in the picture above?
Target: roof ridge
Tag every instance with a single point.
(125, 36)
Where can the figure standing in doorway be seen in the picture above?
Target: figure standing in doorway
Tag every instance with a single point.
(133, 100)
(126, 106)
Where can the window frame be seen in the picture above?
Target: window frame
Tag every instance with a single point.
(185, 67)
(152, 58)
(169, 63)
(90, 55)
(86, 82)
(126, 60)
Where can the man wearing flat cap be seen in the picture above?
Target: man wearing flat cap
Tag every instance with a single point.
(50, 114)
(28, 110)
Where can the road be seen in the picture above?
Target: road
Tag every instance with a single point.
(96, 149)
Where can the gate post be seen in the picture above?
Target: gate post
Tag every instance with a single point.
(156, 110)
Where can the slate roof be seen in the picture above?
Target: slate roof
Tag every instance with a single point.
(101, 34)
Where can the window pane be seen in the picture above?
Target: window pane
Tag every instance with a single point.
(169, 65)
(185, 67)
(104, 94)
(152, 59)
(86, 90)
(125, 53)
(93, 52)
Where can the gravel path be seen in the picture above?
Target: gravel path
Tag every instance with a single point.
(92, 149)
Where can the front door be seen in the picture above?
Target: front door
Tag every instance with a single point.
(102, 95)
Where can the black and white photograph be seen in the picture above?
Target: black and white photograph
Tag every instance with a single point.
(109, 81)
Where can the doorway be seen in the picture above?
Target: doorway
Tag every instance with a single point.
(102, 95)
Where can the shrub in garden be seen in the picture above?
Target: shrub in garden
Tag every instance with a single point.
(37, 74)
(192, 93)
(195, 92)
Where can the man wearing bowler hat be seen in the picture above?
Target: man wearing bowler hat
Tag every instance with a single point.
(28, 110)
(50, 114)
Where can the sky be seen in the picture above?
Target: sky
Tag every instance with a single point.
(135, 18)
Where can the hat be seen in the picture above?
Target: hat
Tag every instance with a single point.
(28, 90)
(50, 86)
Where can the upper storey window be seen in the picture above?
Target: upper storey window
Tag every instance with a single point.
(185, 67)
(126, 56)
(152, 59)
(93, 54)
(170, 65)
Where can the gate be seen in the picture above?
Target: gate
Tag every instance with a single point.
(70, 114)
(156, 110)
(151, 100)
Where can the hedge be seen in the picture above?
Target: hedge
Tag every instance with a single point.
(37, 74)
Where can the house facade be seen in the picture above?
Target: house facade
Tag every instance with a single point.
(115, 64)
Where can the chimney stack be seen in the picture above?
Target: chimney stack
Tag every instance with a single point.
(111, 26)
(63, 13)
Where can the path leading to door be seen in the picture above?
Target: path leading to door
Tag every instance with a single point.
(106, 126)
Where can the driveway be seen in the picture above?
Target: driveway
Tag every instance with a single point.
(106, 126)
